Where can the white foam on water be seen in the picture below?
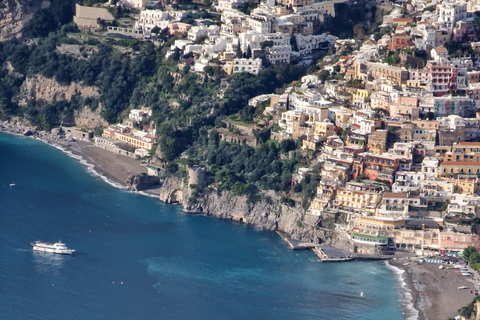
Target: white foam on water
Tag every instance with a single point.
(409, 311)
(90, 167)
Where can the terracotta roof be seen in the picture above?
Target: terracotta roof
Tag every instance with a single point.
(469, 143)
(395, 195)
(441, 50)
(402, 19)
(460, 163)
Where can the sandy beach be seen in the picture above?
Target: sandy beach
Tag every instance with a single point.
(434, 291)
(114, 167)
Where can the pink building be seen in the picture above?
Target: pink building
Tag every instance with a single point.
(178, 27)
(453, 241)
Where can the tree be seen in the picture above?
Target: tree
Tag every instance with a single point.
(359, 30)
(474, 258)
(468, 251)
(287, 145)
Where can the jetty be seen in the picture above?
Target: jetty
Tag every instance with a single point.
(295, 244)
(331, 254)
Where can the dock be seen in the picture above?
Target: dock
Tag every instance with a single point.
(331, 254)
(295, 244)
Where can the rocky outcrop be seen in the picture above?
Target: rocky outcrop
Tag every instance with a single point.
(39, 87)
(16, 15)
(16, 127)
(172, 191)
(141, 182)
(266, 213)
(89, 119)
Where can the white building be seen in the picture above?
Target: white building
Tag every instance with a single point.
(430, 167)
(197, 32)
(462, 203)
(152, 18)
(247, 65)
(138, 115)
(306, 44)
(406, 181)
(138, 4)
(450, 12)
(277, 52)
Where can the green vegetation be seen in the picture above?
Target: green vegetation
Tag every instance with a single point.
(471, 255)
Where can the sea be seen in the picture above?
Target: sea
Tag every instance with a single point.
(138, 258)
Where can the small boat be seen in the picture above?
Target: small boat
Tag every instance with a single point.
(59, 247)
(12, 184)
(462, 287)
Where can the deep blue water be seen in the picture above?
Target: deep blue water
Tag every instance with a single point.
(141, 259)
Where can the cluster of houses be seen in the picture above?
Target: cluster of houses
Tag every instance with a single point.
(398, 141)
(127, 138)
(241, 40)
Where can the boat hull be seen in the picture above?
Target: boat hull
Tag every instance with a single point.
(57, 248)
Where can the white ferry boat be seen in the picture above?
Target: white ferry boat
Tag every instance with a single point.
(58, 247)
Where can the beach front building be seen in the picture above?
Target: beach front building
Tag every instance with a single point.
(410, 239)
(371, 235)
(135, 138)
(454, 241)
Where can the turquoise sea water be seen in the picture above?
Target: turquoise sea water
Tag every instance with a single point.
(138, 258)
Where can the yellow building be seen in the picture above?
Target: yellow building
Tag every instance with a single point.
(462, 151)
(324, 128)
(375, 226)
(466, 185)
(416, 239)
(377, 141)
(134, 141)
(452, 168)
(357, 200)
(396, 75)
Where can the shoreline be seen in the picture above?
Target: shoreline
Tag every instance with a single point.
(415, 296)
(432, 292)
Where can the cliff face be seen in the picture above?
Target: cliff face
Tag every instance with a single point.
(266, 213)
(15, 16)
(39, 87)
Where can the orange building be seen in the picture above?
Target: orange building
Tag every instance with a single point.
(399, 41)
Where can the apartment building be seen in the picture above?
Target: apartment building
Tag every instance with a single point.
(396, 75)
(453, 168)
(358, 197)
(374, 166)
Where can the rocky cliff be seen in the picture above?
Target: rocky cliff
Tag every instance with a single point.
(15, 16)
(38, 87)
(266, 213)
(141, 182)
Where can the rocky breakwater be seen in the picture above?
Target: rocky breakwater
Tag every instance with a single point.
(266, 212)
(20, 129)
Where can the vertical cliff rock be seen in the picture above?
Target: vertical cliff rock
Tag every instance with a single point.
(15, 16)
(266, 213)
